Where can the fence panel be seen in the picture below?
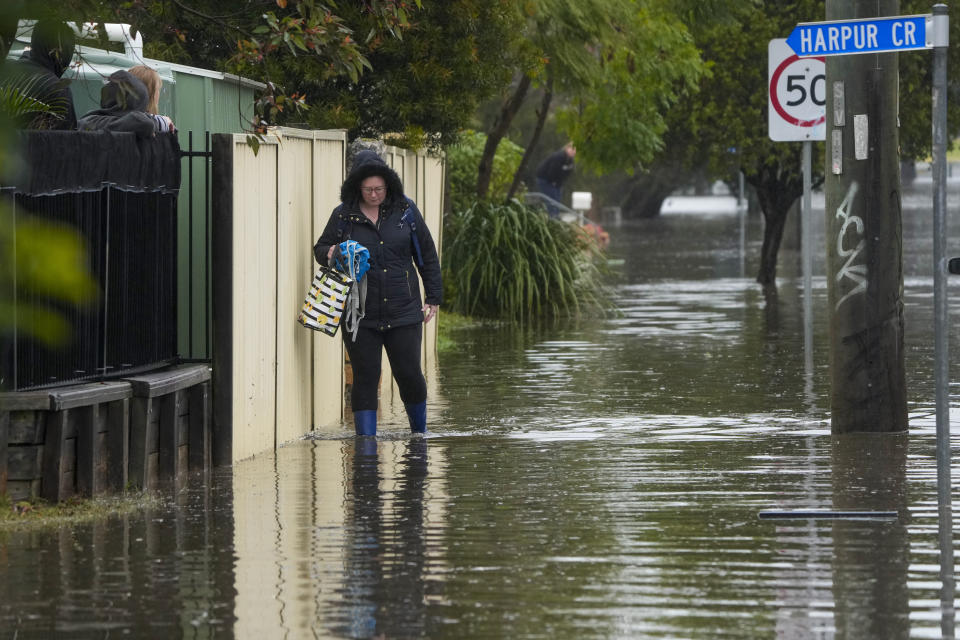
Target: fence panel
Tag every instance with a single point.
(329, 154)
(294, 248)
(431, 177)
(254, 289)
(140, 323)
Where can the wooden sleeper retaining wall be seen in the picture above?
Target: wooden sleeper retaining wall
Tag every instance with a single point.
(98, 438)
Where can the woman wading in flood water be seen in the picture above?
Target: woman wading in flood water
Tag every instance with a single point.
(375, 213)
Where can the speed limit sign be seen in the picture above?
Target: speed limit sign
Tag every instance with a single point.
(798, 95)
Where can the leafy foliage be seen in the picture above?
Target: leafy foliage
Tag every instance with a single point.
(427, 86)
(916, 87)
(724, 127)
(617, 113)
(730, 109)
(407, 67)
(49, 261)
(512, 262)
(462, 161)
(615, 66)
(271, 40)
(18, 101)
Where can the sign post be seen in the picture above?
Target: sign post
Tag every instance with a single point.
(940, 38)
(797, 112)
(907, 33)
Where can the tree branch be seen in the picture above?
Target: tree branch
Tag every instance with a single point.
(214, 19)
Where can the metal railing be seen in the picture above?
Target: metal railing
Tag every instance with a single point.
(197, 311)
(130, 237)
(552, 207)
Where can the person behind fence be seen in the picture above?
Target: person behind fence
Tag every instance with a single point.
(151, 80)
(38, 74)
(552, 173)
(375, 213)
(123, 103)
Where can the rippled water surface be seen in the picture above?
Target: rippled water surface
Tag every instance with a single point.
(593, 479)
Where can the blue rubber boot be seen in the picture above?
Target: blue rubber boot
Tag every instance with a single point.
(365, 422)
(418, 416)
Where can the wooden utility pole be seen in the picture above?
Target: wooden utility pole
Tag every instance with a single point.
(863, 234)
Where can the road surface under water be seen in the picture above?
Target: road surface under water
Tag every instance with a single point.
(599, 478)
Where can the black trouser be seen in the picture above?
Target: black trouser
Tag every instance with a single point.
(403, 351)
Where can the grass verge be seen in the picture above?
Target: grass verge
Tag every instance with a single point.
(448, 323)
(38, 514)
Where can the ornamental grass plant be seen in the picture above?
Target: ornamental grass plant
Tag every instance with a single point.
(513, 262)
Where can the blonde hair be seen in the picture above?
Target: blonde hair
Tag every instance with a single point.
(151, 79)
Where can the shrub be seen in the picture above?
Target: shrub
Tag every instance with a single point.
(510, 261)
(463, 162)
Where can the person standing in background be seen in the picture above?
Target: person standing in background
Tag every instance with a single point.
(552, 173)
(42, 66)
(151, 80)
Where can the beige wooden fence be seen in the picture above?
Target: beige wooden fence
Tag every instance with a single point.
(274, 380)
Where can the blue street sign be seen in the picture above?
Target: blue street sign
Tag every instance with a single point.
(844, 37)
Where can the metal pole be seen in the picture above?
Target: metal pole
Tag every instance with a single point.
(807, 258)
(941, 24)
(105, 308)
(13, 281)
(190, 243)
(742, 208)
(940, 239)
(206, 246)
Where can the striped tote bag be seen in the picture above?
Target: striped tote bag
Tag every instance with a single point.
(325, 302)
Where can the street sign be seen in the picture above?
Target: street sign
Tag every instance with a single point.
(874, 35)
(796, 109)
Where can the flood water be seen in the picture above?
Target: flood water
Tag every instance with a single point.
(599, 478)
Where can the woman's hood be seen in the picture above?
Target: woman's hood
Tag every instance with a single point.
(123, 92)
(367, 164)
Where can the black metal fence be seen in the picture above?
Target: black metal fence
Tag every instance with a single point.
(130, 235)
(195, 204)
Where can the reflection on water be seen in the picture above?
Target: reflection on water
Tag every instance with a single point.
(598, 478)
(870, 474)
(161, 574)
(386, 549)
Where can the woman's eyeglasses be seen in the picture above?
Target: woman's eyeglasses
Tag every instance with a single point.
(369, 190)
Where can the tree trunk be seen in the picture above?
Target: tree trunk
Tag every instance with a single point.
(776, 193)
(535, 138)
(500, 127)
(646, 192)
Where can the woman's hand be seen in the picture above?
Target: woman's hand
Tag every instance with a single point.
(429, 310)
(330, 252)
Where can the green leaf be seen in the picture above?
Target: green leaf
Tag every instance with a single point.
(254, 142)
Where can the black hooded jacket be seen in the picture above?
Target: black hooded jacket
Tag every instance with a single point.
(556, 167)
(393, 294)
(123, 103)
(39, 70)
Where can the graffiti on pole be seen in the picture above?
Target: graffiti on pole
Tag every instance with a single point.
(853, 269)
